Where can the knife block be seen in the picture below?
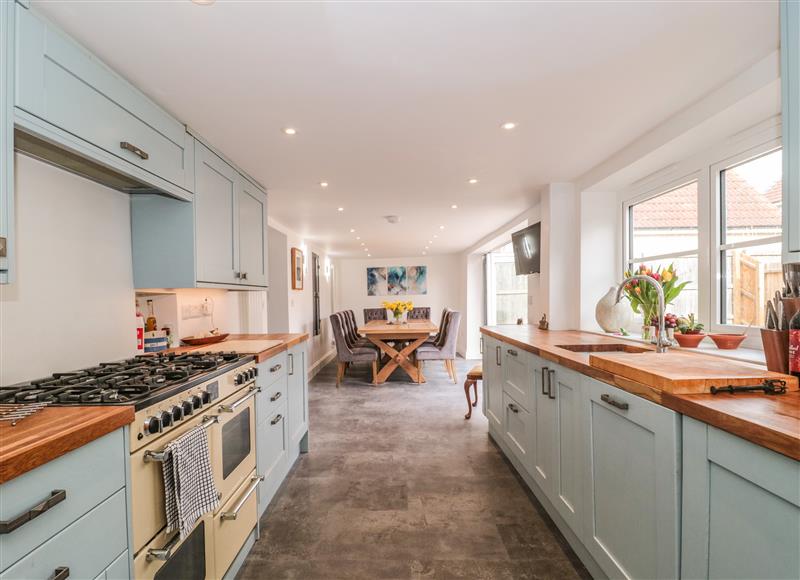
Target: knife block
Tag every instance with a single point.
(776, 349)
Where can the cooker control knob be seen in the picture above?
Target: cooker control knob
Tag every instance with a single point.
(166, 419)
(205, 397)
(187, 407)
(152, 425)
(251, 373)
(240, 379)
(177, 413)
(197, 402)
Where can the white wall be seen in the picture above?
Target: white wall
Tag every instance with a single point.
(600, 251)
(72, 304)
(444, 284)
(278, 303)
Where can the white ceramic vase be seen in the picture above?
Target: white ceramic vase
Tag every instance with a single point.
(610, 315)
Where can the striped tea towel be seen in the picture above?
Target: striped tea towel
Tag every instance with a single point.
(189, 490)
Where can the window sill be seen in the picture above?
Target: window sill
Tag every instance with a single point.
(748, 355)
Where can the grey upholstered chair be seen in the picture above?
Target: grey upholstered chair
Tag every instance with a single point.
(445, 348)
(351, 334)
(420, 313)
(436, 339)
(346, 354)
(371, 314)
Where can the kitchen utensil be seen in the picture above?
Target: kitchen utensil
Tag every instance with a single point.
(727, 341)
(776, 349)
(769, 386)
(791, 277)
(790, 307)
(772, 316)
(213, 339)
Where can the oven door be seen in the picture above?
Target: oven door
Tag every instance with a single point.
(234, 437)
(167, 558)
(234, 523)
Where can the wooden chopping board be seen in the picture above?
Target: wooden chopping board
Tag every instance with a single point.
(240, 346)
(682, 372)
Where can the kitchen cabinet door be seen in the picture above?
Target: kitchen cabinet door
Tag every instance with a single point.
(216, 215)
(493, 383)
(631, 493)
(272, 455)
(517, 377)
(741, 508)
(6, 140)
(546, 425)
(518, 434)
(252, 222)
(298, 399)
(790, 85)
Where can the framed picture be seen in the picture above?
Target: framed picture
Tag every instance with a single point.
(297, 269)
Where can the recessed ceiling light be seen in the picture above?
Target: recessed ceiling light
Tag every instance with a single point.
(340, 209)
(424, 253)
(290, 131)
(430, 242)
(369, 255)
(366, 249)
(472, 181)
(358, 238)
(454, 206)
(435, 236)
(362, 243)
(508, 125)
(426, 247)
(352, 231)
(323, 184)
(441, 227)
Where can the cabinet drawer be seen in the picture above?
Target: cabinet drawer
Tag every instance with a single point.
(518, 376)
(518, 430)
(61, 83)
(233, 523)
(272, 451)
(272, 370)
(87, 547)
(88, 475)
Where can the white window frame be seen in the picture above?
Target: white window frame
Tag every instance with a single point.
(717, 247)
(490, 292)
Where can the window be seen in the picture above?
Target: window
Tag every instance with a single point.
(507, 293)
(749, 238)
(663, 230)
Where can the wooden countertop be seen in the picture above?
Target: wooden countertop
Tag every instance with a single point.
(288, 340)
(772, 421)
(52, 432)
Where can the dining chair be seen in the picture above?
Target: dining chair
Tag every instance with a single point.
(371, 314)
(436, 338)
(420, 313)
(445, 348)
(346, 354)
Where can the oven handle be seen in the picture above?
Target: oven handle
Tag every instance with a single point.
(232, 515)
(155, 456)
(254, 390)
(165, 552)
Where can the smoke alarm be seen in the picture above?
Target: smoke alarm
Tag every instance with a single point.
(392, 219)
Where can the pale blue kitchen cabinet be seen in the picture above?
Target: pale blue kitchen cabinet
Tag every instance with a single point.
(790, 86)
(6, 142)
(632, 485)
(492, 383)
(219, 240)
(297, 404)
(741, 508)
(82, 521)
(65, 95)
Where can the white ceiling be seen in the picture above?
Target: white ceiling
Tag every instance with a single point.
(396, 105)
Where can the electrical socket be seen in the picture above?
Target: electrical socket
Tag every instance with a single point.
(207, 307)
(192, 311)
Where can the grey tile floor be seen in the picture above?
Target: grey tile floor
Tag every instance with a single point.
(399, 485)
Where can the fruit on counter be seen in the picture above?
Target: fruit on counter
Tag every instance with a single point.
(794, 345)
(212, 332)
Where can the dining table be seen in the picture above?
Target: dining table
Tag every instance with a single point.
(398, 341)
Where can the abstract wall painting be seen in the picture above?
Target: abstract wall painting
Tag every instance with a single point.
(377, 282)
(397, 280)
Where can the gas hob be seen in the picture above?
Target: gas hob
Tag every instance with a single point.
(141, 381)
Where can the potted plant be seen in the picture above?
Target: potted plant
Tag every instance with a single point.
(644, 297)
(398, 309)
(690, 331)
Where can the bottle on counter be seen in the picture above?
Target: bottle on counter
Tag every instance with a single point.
(150, 324)
(794, 345)
(139, 329)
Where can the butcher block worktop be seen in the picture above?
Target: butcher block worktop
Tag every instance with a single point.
(262, 346)
(53, 432)
(678, 379)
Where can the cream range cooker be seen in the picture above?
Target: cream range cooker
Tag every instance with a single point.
(172, 394)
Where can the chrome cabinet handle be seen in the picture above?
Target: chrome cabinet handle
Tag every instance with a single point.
(244, 275)
(134, 149)
(614, 403)
(544, 376)
(157, 456)
(232, 515)
(60, 573)
(291, 364)
(231, 407)
(550, 375)
(275, 368)
(511, 351)
(164, 552)
(275, 397)
(276, 420)
(56, 497)
(497, 354)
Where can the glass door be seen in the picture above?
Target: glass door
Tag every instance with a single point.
(506, 293)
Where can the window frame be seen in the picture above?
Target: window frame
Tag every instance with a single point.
(717, 248)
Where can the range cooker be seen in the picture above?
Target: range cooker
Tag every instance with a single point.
(172, 394)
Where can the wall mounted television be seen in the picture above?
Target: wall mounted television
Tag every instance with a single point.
(527, 245)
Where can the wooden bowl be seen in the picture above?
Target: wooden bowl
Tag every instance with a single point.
(205, 340)
(689, 340)
(727, 341)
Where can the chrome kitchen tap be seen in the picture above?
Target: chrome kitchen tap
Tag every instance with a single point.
(663, 342)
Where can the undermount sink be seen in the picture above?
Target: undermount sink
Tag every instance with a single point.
(607, 347)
